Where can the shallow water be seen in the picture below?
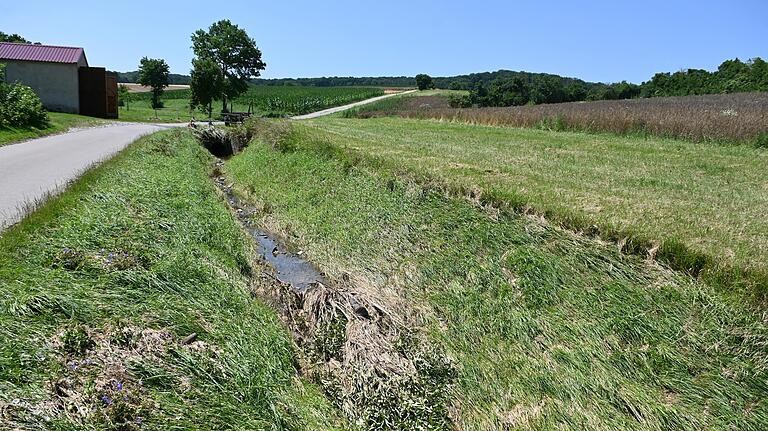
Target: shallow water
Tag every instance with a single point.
(289, 268)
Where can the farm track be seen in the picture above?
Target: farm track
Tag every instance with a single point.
(336, 109)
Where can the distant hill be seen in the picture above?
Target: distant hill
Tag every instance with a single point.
(458, 82)
(461, 82)
(730, 77)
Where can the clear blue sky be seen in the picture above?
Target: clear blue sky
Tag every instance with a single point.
(597, 41)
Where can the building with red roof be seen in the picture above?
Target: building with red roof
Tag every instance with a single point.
(61, 77)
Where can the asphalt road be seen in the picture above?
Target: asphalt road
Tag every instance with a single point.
(330, 111)
(30, 171)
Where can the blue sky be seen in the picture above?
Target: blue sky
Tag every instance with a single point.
(597, 41)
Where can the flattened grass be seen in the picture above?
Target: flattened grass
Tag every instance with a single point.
(705, 205)
(549, 330)
(102, 288)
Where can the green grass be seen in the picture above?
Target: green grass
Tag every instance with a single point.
(265, 100)
(548, 329)
(704, 204)
(100, 286)
(59, 123)
(395, 103)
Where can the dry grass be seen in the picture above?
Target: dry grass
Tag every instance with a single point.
(740, 116)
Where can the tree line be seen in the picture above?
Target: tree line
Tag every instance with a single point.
(519, 88)
(133, 77)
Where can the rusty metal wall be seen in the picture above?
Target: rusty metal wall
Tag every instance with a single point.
(111, 86)
(93, 91)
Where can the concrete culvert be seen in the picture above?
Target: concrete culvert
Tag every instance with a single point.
(216, 141)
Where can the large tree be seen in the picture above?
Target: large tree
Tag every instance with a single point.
(235, 54)
(153, 72)
(424, 82)
(206, 84)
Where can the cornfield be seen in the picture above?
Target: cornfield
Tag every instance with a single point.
(278, 101)
(283, 101)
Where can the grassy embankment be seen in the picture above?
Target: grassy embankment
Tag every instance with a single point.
(265, 101)
(101, 287)
(698, 207)
(548, 329)
(59, 123)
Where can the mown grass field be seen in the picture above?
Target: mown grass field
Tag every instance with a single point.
(263, 100)
(699, 207)
(547, 329)
(59, 123)
(101, 287)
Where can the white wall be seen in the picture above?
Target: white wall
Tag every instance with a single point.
(55, 83)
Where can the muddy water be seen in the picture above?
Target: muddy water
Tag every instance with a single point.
(289, 268)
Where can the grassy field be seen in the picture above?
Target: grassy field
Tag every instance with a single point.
(738, 117)
(59, 123)
(102, 287)
(546, 329)
(699, 207)
(263, 100)
(423, 100)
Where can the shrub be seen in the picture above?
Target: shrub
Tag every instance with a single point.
(761, 141)
(459, 101)
(20, 107)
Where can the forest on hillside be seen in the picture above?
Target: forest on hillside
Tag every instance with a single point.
(512, 88)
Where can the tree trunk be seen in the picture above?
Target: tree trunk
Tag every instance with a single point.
(224, 94)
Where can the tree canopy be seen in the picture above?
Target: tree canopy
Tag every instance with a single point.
(5, 37)
(206, 84)
(234, 53)
(424, 82)
(153, 72)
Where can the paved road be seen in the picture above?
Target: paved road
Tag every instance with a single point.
(32, 170)
(330, 111)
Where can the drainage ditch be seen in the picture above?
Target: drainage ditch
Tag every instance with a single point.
(358, 343)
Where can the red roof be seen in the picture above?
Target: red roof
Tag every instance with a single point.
(46, 53)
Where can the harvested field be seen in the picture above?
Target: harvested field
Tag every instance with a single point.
(739, 116)
(138, 88)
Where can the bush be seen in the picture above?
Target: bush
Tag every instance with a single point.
(459, 101)
(20, 107)
(761, 141)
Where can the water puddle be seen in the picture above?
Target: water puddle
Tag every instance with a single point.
(290, 268)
